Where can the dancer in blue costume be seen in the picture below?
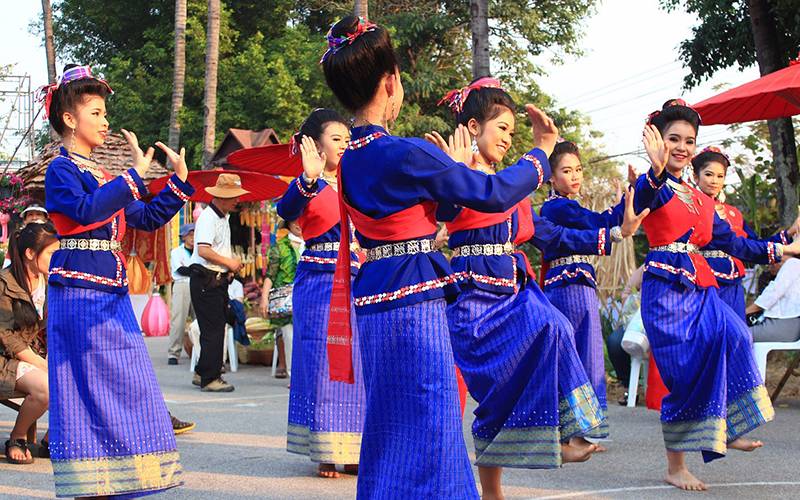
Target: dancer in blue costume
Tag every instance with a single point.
(570, 281)
(710, 167)
(393, 189)
(700, 345)
(110, 433)
(325, 417)
(515, 350)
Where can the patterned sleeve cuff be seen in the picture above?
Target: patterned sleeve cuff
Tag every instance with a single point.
(654, 181)
(179, 188)
(603, 242)
(540, 163)
(135, 183)
(774, 252)
(785, 239)
(306, 191)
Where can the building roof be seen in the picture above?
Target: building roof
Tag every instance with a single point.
(237, 139)
(114, 155)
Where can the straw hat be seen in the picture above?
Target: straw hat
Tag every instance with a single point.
(228, 186)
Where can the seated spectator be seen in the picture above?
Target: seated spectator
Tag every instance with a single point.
(23, 367)
(34, 213)
(780, 304)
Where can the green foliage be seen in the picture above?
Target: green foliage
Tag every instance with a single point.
(269, 74)
(755, 194)
(723, 37)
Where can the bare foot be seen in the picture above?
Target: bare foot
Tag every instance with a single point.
(571, 453)
(580, 442)
(351, 469)
(743, 444)
(16, 453)
(327, 471)
(685, 480)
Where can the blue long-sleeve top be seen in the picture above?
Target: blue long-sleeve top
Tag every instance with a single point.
(682, 214)
(296, 202)
(727, 269)
(507, 273)
(569, 213)
(73, 191)
(390, 174)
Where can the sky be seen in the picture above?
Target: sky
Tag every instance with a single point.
(629, 68)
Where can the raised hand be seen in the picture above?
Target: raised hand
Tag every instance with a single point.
(178, 161)
(141, 160)
(313, 161)
(545, 132)
(794, 229)
(632, 175)
(437, 140)
(656, 148)
(631, 221)
(459, 145)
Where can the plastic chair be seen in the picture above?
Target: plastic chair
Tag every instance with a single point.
(635, 343)
(762, 349)
(229, 349)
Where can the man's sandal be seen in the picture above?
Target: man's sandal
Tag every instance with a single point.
(22, 445)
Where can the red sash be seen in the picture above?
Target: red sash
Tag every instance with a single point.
(68, 227)
(472, 219)
(674, 219)
(734, 217)
(413, 222)
(320, 215)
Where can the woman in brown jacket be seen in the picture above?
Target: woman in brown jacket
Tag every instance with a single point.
(23, 367)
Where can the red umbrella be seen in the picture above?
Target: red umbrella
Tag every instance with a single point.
(261, 186)
(275, 159)
(775, 95)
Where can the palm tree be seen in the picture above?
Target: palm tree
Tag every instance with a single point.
(179, 74)
(361, 8)
(479, 25)
(210, 99)
(50, 50)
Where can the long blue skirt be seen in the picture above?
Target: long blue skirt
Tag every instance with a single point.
(110, 432)
(733, 295)
(413, 445)
(580, 305)
(325, 417)
(518, 358)
(702, 350)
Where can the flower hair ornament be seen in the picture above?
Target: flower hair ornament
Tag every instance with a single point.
(455, 99)
(45, 92)
(669, 104)
(715, 149)
(337, 42)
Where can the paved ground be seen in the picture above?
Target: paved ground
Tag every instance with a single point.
(237, 452)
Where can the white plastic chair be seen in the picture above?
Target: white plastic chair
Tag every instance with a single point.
(229, 349)
(762, 349)
(635, 343)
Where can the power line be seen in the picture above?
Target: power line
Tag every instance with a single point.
(616, 88)
(627, 80)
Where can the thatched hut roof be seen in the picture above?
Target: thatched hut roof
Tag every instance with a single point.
(114, 155)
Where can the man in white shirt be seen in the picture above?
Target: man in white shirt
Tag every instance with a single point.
(179, 261)
(780, 302)
(212, 268)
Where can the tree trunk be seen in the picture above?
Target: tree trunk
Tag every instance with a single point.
(49, 49)
(361, 8)
(479, 24)
(769, 55)
(210, 99)
(179, 76)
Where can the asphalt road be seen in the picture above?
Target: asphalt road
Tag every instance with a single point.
(238, 451)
